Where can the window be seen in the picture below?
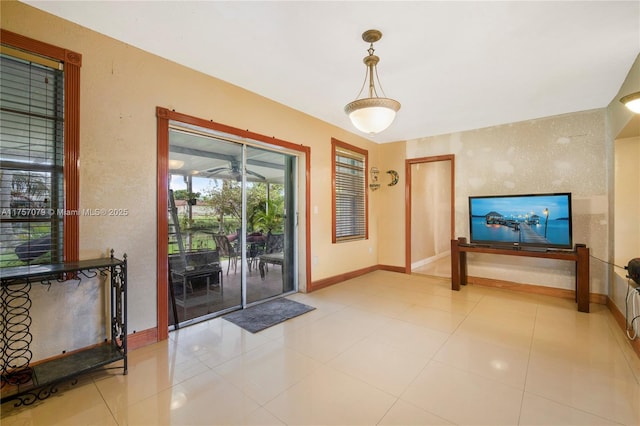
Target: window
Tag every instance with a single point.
(349, 165)
(38, 153)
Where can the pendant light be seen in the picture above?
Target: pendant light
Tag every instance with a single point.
(632, 102)
(373, 114)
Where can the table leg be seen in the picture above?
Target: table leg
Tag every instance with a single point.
(455, 266)
(582, 278)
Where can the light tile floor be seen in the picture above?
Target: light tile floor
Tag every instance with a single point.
(440, 268)
(384, 348)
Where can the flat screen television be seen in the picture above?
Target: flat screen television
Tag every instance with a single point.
(529, 220)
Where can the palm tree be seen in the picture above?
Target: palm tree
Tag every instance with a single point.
(272, 217)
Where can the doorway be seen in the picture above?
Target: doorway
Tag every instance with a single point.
(430, 215)
(244, 164)
(230, 237)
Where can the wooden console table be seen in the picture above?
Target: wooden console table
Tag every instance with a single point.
(579, 255)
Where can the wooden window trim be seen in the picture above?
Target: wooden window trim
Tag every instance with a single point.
(72, 62)
(335, 143)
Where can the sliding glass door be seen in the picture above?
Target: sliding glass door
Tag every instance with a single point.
(270, 224)
(231, 217)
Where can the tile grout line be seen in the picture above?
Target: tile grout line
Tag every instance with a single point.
(526, 375)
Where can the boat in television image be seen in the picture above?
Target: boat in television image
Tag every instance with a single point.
(536, 220)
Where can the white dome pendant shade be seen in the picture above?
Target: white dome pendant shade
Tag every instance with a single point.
(632, 102)
(373, 114)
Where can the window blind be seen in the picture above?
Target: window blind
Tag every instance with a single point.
(350, 195)
(31, 162)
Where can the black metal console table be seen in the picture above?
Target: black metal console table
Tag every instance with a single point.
(28, 383)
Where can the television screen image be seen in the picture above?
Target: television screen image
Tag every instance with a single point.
(537, 220)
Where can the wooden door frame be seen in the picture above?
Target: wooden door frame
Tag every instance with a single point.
(163, 117)
(407, 165)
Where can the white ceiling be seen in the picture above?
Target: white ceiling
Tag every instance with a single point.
(453, 66)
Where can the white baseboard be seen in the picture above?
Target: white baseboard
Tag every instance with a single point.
(431, 259)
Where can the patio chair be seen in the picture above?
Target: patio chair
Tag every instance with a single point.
(226, 249)
(273, 252)
(274, 243)
(255, 247)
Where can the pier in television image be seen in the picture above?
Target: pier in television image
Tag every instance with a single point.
(542, 220)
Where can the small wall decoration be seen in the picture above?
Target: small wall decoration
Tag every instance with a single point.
(394, 177)
(374, 179)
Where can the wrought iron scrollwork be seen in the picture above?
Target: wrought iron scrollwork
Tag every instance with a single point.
(35, 395)
(18, 380)
(16, 334)
(118, 291)
(89, 274)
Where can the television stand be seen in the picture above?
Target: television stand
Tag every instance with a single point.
(535, 249)
(579, 255)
